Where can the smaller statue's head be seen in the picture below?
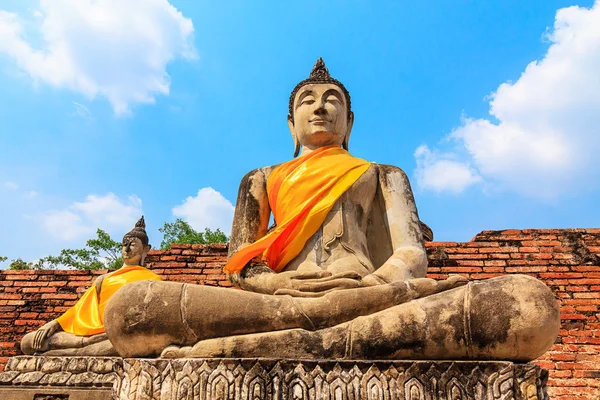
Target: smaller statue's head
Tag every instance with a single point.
(320, 111)
(135, 244)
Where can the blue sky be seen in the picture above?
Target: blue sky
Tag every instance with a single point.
(111, 109)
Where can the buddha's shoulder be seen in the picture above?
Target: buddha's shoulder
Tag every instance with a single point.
(386, 169)
(259, 174)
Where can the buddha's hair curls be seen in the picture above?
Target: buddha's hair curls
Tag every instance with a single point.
(319, 74)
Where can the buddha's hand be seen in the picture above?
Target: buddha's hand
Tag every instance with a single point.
(426, 286)
(316, 284)
(44, 333)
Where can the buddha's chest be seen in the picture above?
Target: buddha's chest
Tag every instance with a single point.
(354, 206)
(341, 239)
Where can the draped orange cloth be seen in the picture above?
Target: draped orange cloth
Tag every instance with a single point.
(301, 192)
(86, 317)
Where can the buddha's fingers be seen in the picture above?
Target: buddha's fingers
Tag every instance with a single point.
(39, 338)
(311, 275)
(426, 286)
(327, 277)
(455, 281)
(338, 283)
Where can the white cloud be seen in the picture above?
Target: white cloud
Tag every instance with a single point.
(11, 185)
(437, 172)
(81, 219)
(209, 209)
(545, 135)
(31, 194)
(110, 48)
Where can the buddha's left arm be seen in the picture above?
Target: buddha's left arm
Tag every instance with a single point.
(409, 259)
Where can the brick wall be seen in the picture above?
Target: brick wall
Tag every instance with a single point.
(567, 260)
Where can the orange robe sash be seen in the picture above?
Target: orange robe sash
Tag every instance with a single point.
(301, 193)
(86, 317)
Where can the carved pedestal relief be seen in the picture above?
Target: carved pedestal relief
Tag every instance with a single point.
(265, 379)
(209, 379)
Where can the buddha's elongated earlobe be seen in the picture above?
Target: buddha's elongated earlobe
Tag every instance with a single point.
(296, 147)
(293, 132)
(349, 131)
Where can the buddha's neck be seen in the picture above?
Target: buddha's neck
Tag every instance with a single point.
(307, 150)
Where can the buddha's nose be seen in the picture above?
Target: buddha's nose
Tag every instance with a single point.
(321, 110)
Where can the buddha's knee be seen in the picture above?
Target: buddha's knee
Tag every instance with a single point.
(27, 343)
(144, 317)
(514, 317)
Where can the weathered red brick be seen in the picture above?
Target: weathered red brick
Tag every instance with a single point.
(572, 316)
(589, 295)
(59, 296)
(494, 269)
(494, 263)
(561, 275)
(541, 243)
(10, 296)
(30, 283)
(529, 250)
(29, 315)
(181, 246)
(441, 244)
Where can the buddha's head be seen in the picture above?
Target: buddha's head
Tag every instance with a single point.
(320, 111)
(135, 245)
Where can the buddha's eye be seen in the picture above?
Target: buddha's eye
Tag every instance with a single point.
(333, 99)
(307, 100)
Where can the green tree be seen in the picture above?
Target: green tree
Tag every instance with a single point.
(181, 232)
(99, 253)
(2, 259)
(20, 264)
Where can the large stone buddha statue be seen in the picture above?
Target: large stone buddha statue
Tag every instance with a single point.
(340, 275)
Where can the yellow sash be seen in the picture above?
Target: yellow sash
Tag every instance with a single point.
(86, 317)
(301, 192)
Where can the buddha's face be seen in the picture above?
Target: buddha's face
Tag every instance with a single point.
(320, 116)
(133, 251)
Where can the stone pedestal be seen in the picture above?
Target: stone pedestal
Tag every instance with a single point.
(61, 378)
(262, 379)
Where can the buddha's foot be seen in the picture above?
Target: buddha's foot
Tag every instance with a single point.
(102, 348)
(175, 352)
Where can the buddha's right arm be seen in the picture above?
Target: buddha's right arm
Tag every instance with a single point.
(250, 220)
(98, 284)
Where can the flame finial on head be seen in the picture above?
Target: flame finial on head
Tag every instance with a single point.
(320, 71)
(141, 223)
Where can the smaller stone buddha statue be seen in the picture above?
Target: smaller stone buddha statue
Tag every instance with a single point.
(80, 330)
